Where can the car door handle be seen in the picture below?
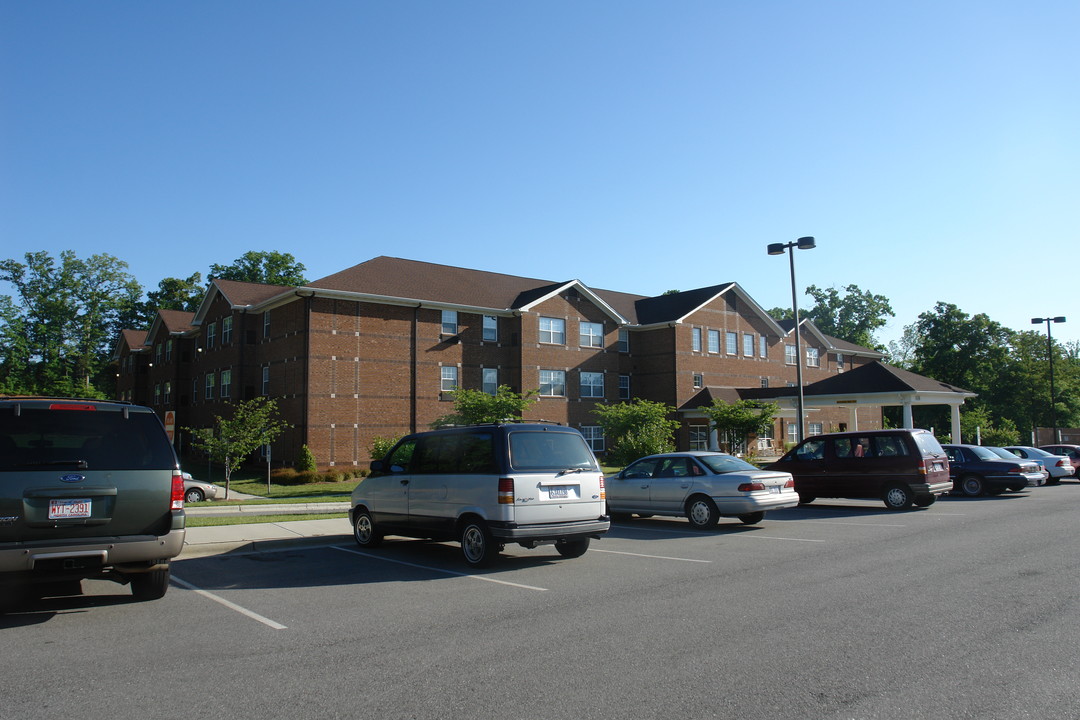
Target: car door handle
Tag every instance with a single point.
(404, 482)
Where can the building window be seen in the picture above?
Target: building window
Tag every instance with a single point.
(624, 340)
(624, 387)
(226, 383)
(732, 342)
(491, 328)
(553, 383)
(748, 345)
(211, 380)
(449, 378)
(490, 382)
(699, 381)
(815, 428)
(166, 393)
(789, 355)
(553, 331)
(695, 339)
(449, 322)
(266, 380)
(157, 393)
(714, 341)
(266, 324)
(592, 385)
(699, 437)
(226, 331)
(792, 433)
(157, 353)
(194, 390)
(764, 382)
(812, 358)
(594, 436)
(168, 350)
(763, 349)
(839, 363)
(211, 332)
(591, 334)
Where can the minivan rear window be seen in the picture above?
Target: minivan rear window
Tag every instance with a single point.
(927, 443)
(48, 439)
(545, 450)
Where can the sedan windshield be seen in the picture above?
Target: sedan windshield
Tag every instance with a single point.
(721, 464)
(983, 453)
(1002, 452)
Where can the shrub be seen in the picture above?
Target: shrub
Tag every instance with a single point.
(306, 461)
(380, 446)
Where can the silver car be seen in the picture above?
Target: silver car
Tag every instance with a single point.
(1058, 466)
(197, 490)
(701, 486)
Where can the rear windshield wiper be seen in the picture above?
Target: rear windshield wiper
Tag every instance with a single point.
(567, 471)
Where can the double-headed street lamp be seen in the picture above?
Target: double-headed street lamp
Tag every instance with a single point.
(803, 243)
(1050, 356)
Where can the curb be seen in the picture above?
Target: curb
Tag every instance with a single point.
(247, 547)
(269, 509)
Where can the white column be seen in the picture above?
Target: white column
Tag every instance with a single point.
(909, 421)
(714, 439)
(956, 423)
(853, 418)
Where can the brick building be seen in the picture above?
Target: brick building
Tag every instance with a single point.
(373, 351)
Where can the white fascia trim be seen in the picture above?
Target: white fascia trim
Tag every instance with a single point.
(745, 297)
(584, 289)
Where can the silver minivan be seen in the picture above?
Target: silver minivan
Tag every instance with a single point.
(485, 485)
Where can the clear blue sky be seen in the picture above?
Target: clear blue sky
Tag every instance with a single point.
(932, 148)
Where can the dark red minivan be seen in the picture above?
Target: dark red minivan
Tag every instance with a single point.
(900, 467)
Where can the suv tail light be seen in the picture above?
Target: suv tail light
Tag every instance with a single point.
(506, 491)
(177, 490)
(751, 486)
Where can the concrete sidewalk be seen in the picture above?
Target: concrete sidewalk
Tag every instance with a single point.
(260, 537)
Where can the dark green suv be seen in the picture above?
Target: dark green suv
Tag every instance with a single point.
(88, 489)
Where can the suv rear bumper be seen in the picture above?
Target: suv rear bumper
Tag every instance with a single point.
(136, 551)
(551, 531)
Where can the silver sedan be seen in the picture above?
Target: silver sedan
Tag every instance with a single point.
(197, 490)
(701, 486)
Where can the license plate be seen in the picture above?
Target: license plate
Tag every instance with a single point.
(557, 492)
(774, 489)
(62, 509)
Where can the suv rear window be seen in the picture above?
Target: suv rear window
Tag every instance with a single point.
(83, 438)
(543, 450)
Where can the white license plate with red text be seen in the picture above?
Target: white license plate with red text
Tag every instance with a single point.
(64, 509)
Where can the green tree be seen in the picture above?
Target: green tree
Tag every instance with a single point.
(58, 330)
(174, 294)
(853, 315)
(253, 423)
(978, 427)
(476, 406)
(737, 420)
(306, 462)
(267, 267)
(635, 429)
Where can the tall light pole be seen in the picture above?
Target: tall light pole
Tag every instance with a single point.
(803, 243)
(1050, 357)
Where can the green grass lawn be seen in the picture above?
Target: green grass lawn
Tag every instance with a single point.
(251, 519)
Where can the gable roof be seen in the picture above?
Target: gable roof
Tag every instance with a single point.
(134, 340)
(238, 295)
(831, 343)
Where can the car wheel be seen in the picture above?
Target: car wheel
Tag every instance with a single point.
(898, 497)
(702, 512)
(572, 548)
(972, 485)
(150, 585)
(806, 499)
(477, 547)
(1017, 488)
(13, 597)
(364, 531)
(1052, 480)
(194, 495)
(752, 518)
(924, 500)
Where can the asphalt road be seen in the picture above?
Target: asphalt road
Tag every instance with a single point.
(842, 609)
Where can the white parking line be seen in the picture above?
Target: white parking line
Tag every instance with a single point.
(654, 557)
(439, 570)
(695, 533)
(859, 524)
(755, 536)
(231, 605)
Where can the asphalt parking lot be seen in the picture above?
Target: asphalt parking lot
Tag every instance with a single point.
(840, 609)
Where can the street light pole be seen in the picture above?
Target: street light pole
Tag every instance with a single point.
(1050, 357)
(803, 243)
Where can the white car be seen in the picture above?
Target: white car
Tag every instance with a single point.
(1058, 466)
(701, 486)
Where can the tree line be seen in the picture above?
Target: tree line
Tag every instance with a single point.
(58, 329)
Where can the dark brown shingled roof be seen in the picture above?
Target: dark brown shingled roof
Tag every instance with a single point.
(242, 294)
(135, 339)
(414, 280)
(176, 321)
(878, 377)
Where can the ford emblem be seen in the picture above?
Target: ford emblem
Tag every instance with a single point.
(73, 478)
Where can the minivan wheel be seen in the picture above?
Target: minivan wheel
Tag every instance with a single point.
(972, 485)
(150, 585)
(898, 497)
(477, 547)
(752, 518)
(364, 531)
(572, 548)
(702, 513)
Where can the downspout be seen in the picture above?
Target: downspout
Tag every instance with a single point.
(413, 374)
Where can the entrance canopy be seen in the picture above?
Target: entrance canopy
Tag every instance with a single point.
(875, 384)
